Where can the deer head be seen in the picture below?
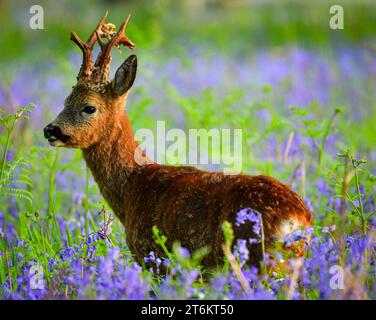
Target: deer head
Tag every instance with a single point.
(95, 102)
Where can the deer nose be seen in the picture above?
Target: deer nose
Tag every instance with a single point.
(52, 130)
(48, 131)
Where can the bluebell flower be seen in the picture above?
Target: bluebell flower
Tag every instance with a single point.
(242, 251)
(248, 214)
(152, 259)
(254, 241)
(21, 243)
(166, 262)
(296, 235)
(102, 235)
(184, 252)
(67, 253)
(241, 217)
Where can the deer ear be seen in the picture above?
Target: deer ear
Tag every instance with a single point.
(125, 75)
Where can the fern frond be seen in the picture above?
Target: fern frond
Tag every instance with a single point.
(16, 180)
(19, 196)
(20, 176)
(19, 180)
(18, 193)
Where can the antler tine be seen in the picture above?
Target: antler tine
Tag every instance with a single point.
(87, 49)
(103, 59)
(123, 39)
(93, 37)
(119, 38)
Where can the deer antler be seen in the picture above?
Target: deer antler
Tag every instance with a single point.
(102, 63)
(99, 71)
(87, 50)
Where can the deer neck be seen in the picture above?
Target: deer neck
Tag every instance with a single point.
(112, 161)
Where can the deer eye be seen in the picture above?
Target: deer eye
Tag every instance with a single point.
(89, 109)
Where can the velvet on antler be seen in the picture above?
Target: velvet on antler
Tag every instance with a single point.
(98, 73)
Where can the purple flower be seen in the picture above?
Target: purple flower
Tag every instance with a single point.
(349, 241)
(218, 284)
(322, 187)
(254, 241)
(309, 204)
(242, 251)
(254, 217)
(166, 262)
(295, 236)
(67, 253)
(152, 259)
(92, 238)
(241, 217)
(10, 155)
(101, 235)
(327, 229)
(184, 252)
(21, 243)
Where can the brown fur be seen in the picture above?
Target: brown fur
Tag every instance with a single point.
(186, 204)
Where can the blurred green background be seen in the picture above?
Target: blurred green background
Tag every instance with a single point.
(232, 26)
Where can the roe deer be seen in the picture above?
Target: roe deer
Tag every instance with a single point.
(186, 204)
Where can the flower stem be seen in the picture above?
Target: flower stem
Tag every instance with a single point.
(5, 153)
(263, 246)
(364, 221)
(326, 134)
(51, 191)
